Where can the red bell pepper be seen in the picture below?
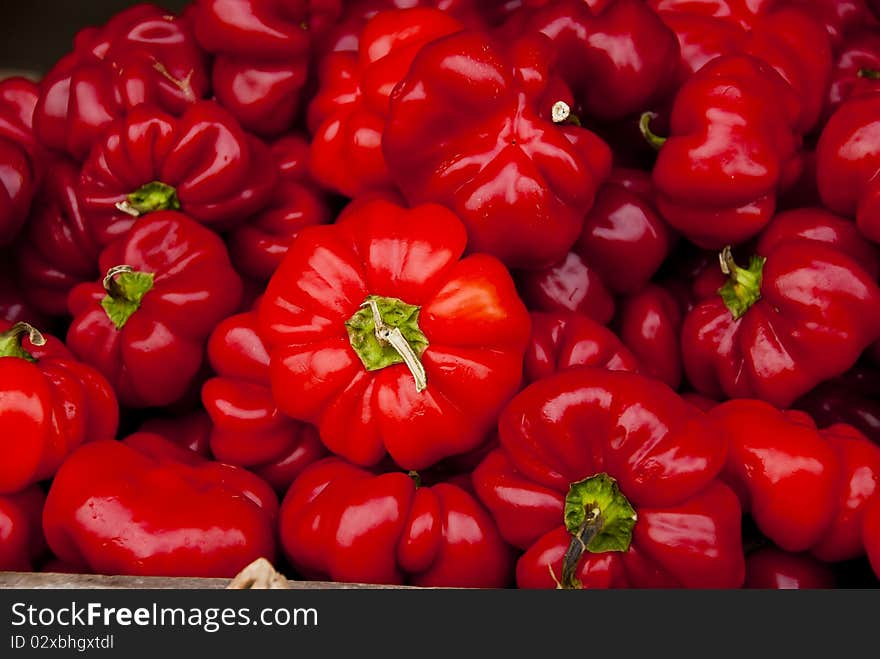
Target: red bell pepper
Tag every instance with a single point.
(792, 39)
(22, 545)
(623, 238)
(384, 339)
(18, 98)
(570, 285)
(566, 340)
(343, 523)
(801, 312)
(806, 489)
(650, 326)
(202, 163)
(142, 55)
(17, 183)
(58, 249)
(848, 160)
(856, 68)
(247, 428)
(168, 283)
(619, 58)
(609, 479)
(13, 306)
(732, 146)
(51, 404)
(347, 116)
(257, 246)
(191, 431)
(772, 568)
(503, 153)
(871, 534)
(851, 399)
(261, 54)
(113, 509)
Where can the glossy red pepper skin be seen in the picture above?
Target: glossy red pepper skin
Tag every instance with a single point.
(856, 67)
(247, 429)
(561, 341)
(618, 58)
(18, 98)
(793, 39)
(13, 305)
(806, 489)
(113, 509)
(52, 404)
(570, 285)
(154, 353)
(217, 173)
(58, 248)
(191, 431)
(261, 54)
(850, 399)
(871, 534)
(142, 55)
(257, 246)
(475, 326)
(847, 162)
(347, 116)
(624, 239)
(665, 457)
(17, 184)
(770, 568)
(343, 523)
(819, 308)
(649, 325)
(732, 145)
(520, 183)
(22, 545)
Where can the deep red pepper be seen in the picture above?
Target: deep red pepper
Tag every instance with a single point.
(123, 508)
(202, 163)
(424, 382)
(619, 58)
(168, 283)
(570, 285)
(851, 399)
(58, 249)
(191, 431)
(623, 238)
(649, 325)
(22, 545)
(247, 428)
(732, 146)
(772, 568)
(566, 340)
(848, 160)
(257, 246)
(806, 489)
(344, 523)
(801, 312)
(143, 54)
(504, 155)
(17, 183)
(603, 478)
(792, 39)
(262, 50)
(856, 67)
(13, 306)
(51, 404)
(348, 114)
(871, 534)
(18, 98)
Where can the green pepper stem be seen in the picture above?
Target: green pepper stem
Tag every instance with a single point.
(561, 113)
(12, 339)
(743, 287)
(869, 74)
(651, 138)
(152, 196)
(126, 288)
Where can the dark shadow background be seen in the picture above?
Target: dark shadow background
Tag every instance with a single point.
(35, 33)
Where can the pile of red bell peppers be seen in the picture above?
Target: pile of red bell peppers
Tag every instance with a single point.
(509, 293)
